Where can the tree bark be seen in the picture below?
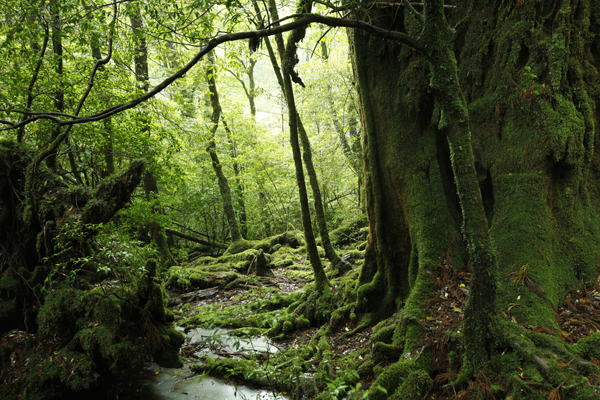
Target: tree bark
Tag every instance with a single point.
(224, 187)
(463, 134)
(290, 57)
(239, 188)
(480, 312)
(41, 52)
(193, 239)
(143, 84)
(59, 94)
(289, 61)
(330, 252)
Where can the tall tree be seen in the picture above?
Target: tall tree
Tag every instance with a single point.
(239, 188)
(289, 57)
(462, 138)
(143, 83)
(479, 131)
(236, 234)
(285, 75)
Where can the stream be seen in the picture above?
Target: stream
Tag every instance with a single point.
(153, 382)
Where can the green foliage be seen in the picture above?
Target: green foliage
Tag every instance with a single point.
(121, 253)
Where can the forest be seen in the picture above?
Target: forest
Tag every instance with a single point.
(397, 200)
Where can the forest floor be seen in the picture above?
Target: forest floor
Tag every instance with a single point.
(261, 300)
(578, 317)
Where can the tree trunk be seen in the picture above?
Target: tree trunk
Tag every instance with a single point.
(40, 52)
(59, 94)
(330, 252)
(107, 147)
(239, 189)
(143, 83)
(492, 132)
(289, 60)
(236, 235)
(290, 57)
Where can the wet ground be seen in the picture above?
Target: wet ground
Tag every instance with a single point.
(153, 382)
(578, 317)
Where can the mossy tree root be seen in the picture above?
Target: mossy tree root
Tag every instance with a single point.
(315, 309)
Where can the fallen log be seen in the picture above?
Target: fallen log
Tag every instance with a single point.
(193, 296)
(193, 239)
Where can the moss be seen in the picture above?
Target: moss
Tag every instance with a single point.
(8, 393)
(383, 334)
(392, 381)
(525, 218)
(59, 373)
(368, 368)
(248, 332)
(238, 247)
(168, 355)
(350, 232)
(54, 316)
(589, 346)
(416, 385)
(210, 272)
(387, 351)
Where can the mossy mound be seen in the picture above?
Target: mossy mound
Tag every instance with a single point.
(207, 272)
(292, 239)
(238, 247)
(85, 333)
(354, 232)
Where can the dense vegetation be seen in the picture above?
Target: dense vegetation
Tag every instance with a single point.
(408, 201)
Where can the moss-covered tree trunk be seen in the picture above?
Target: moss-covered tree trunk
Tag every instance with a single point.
(330, 252)
(533, 110)
(239, 188)
(287, 72)
(143, 83)
(288, 55)
(497, 164)
(225, 189)
(454, 122)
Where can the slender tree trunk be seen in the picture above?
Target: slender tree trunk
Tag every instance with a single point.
(249, 90)
(239, 189)
(59, 95)
(224, 187)
(330, 252)
(287, 71)
(107, 147)
(480, 311)
(142, 78)
(41, 53)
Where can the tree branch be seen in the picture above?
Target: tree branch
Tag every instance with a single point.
(193, 239)
(303, 19)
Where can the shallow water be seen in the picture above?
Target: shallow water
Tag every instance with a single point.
(218, 342)
(156, 383)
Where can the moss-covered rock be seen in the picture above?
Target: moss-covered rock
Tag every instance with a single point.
(211, 272)
(238, 247)
(350, 233)
(168, 355)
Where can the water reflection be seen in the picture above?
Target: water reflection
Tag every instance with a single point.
(156, 383)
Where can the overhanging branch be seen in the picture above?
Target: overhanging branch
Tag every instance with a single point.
(303, 19)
